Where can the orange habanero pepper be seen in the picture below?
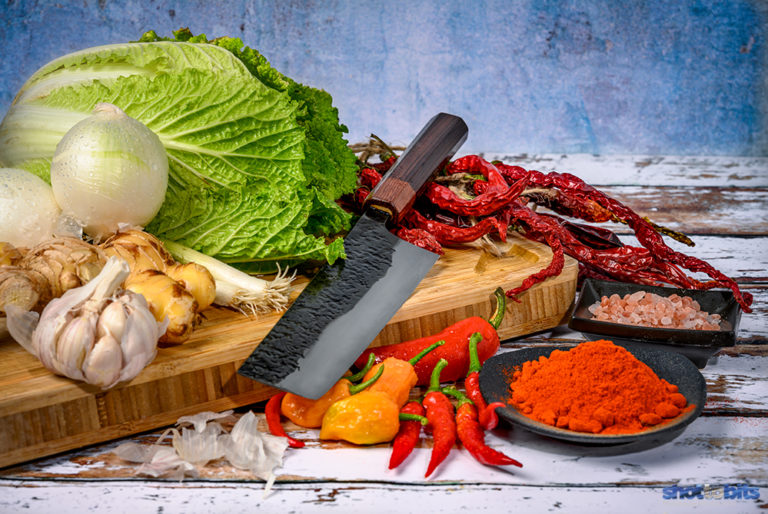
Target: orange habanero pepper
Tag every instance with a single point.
(309, 413)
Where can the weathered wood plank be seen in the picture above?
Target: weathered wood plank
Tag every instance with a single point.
(648, 170)
(745, 259)
(374, 498)
(711, 450)
(701, 210)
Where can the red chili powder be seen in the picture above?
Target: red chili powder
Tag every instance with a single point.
(596, 387)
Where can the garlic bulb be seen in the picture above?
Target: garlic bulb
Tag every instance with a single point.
(97, 333)
(109, 169)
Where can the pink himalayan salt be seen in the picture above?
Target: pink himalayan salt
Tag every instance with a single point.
(652, 310)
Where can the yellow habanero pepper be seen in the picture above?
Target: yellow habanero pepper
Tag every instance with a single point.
(309, 413)
(399, 377)
(369, 417)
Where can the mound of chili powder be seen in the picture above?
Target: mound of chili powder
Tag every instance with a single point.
(596, 387)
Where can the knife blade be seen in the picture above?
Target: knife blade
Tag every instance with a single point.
(346, 304)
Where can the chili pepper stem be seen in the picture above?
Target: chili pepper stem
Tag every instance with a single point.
(368, 365)
(406, 416)
(416, 358)
(356, 388)
(461, 397)
(501, 306)
(474, 359)
(434, 379)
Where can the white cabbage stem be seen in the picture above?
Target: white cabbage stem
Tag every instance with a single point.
(235, 288)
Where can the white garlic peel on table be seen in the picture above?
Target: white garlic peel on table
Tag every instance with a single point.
(98, 333)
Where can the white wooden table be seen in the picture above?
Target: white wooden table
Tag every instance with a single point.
(721, 202)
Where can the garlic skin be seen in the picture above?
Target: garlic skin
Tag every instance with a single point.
(98, 333)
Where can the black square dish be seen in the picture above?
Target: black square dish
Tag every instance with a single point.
(697, 345)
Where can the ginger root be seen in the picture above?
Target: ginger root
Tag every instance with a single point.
(64, 263)
(32, 278)
(9, 254)
(20, 287)
(166, 298)
(140, 249)
(179, 291)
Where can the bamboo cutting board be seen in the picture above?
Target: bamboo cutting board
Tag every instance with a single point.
(42, 414)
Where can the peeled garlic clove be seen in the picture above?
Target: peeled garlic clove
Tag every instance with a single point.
(103, 364)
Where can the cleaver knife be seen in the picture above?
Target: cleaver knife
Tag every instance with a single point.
(345, 305)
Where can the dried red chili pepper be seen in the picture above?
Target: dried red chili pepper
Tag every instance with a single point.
(455, 349)
(449, 234)
(486, 413)
(369, 177)
(439, 411)
(533, 221)
(569, 204)
(497, 192)
(387, 163)
(421, 238)
(645, 232)
(272, 413)
(408, 435)
(471, 434)
(632, 264)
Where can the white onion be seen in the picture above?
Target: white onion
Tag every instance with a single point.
(28, 210)
(109, 169)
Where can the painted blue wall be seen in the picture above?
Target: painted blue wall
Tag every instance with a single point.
(602, 76)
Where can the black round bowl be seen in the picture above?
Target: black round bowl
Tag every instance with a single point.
(496, 375)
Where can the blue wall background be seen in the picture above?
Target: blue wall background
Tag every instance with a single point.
(602, 76)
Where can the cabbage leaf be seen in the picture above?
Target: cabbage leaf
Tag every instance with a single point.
(256, 160)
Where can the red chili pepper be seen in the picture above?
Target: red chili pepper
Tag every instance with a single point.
(472, 381)
(471, 433)
(455, 349)
(439, 410)
(487, 417)
(408, 435)
(272, 413)
(486, 413)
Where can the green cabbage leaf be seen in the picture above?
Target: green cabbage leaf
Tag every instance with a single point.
(256, 160)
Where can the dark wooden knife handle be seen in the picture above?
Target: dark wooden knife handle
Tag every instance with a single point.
(428, 152)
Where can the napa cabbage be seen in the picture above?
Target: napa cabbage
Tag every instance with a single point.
(257, 161)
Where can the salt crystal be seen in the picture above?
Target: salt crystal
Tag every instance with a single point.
(650, 309)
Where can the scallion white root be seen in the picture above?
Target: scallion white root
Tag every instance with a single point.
(237, 289)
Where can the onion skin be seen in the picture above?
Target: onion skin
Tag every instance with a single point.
(109, 169)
